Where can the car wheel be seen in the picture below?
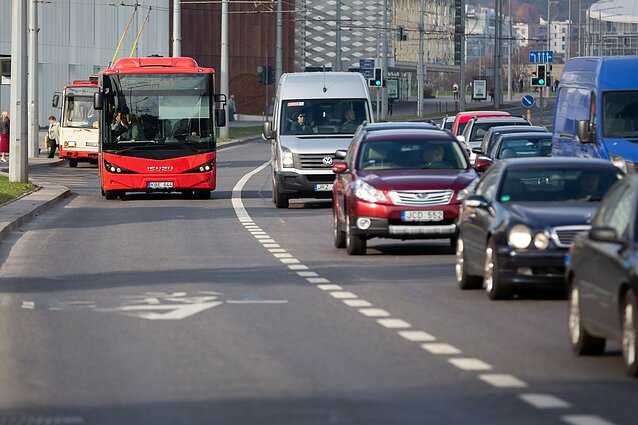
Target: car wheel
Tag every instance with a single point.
(73, 163)
(464, 280)
(494, 286)
(454, 240)
(355, 244)
(281, 200)
(339, 235)
(629, 330)
(583, 343)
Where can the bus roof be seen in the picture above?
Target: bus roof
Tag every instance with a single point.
(157, 65)
(605, 73)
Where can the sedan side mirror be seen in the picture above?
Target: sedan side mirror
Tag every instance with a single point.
(482, 163)
(584, 131)
(339, 167)
(476, 201)
(98, 99)
(604, 234)
(267, 131)
(341, 154)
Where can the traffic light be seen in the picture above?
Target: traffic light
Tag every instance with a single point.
(265, 75)
(540, 80)
(377, 81)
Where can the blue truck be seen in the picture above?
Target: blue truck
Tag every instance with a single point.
(596, 112)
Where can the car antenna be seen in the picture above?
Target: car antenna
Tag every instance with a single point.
(325, 89)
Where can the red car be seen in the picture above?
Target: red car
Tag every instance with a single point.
(462, 118)
(400, 184)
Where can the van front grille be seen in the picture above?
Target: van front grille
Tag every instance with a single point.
(314, 160)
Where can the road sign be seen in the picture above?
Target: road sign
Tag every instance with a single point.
(366, 67)
(393, 88)
(528, 101)
(541, 56)
(479, 89)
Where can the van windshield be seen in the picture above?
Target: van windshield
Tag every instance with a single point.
(620, 109)
(322, 116)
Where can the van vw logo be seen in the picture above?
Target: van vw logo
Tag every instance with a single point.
(327, 161)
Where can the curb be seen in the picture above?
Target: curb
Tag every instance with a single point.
(239, 141)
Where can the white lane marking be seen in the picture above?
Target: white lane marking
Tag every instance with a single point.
(238, 204)
(289, 260)
(357, 303)
(342, 295)
(317, 280)
(544, 401)
(440, 348)
(502, 380)
(260, 233)
(276, 250)
(267, 241)
(417, 336)
(465, 363)
(271, 245)
(394, 323)
(307, 274)
(297, 267)
(283, 255)
(257, 301)
(330, 287)
(262, 237)
(29, 305)
(585, 420)
(374, 312)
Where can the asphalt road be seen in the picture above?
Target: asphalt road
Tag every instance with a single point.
(164, 310)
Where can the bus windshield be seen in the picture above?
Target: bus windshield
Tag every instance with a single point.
(158, 111)
(322, 116)
(78, 108)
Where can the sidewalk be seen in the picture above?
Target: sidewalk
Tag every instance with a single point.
(34, 162)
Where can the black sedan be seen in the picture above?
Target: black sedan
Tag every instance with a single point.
(521, 145)
(492, 134)
(602, 275)
(516, 227)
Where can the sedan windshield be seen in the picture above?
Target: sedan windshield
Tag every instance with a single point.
(411, 154)
(620, 110)
(525, 148)
(557, 185)
(322, 116)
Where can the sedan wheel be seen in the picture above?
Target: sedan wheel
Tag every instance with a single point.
(338, 234)
(355, 244)
(494, 286)
(583, 343)
(462, 278)
(629, 348)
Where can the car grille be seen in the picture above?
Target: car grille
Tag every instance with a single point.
(421, 198)
(314, 160)
(564, 236)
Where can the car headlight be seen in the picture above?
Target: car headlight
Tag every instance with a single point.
(368, 193)
(541, 241)
(287, 160)
(622, 163)
(520, 237)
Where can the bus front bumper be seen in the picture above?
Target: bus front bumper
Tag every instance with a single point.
(157, 182)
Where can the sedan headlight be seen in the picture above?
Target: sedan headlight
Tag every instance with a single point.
(520, 237)
(541, 241)
(368, 193)
(287, 160)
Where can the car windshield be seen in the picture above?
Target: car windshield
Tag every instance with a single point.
(411, 154)
(620, 109)
(322, 116)
(78, 108)
(148, 110)
(557, 184)
(480, 129)
(525, 147)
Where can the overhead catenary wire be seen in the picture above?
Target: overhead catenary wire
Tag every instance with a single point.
(139, 33)
(128, 24)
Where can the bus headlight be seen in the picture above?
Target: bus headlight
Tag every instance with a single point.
(115, 168)
(520, 237)
(69, 144)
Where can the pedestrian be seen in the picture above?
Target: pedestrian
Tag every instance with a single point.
(53, 136)
(4, 136)
(455, 91)
(232, 108)
(390, 103)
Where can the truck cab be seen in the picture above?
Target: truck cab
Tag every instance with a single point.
(596, 112)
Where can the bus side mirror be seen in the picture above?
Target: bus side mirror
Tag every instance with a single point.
(97, 101)
(56, 100)
(584, 131)
(220, 117)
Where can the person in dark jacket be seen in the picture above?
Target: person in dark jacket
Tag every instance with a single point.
(4, 136)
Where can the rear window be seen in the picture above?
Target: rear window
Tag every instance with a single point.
(525, 148)
(480, 129)
(411, 154)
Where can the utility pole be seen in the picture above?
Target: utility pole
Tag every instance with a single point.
(569, 29)
(509, 52)
(580, 27)
(549, 25)
(498, 22)
(419, 71)
(386, 53)
(279, 48)
(338, 37)
(34, 123)
(224, 63)
(18, 159)
(462, 62)
(177, 28)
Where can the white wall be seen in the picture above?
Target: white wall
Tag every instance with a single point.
(78, 37)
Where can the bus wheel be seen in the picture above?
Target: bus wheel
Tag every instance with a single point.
(110, 195)
(73, 163)
(202, 194)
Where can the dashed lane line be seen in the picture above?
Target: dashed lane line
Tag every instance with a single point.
(427, 341)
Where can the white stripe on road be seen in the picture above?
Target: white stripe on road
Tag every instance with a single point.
(282, 255)
(271, 245)
(298, 267)
(440, 348)
(503, 381)
(417, 336)
(307, 274)
(329, 287)
(469, 363)
(276, 250)
(585, 420)
(317, 280)
(394, 323)
(342, 295)
(357, 303)
(289, 260)
(544, 401)
(374, 312)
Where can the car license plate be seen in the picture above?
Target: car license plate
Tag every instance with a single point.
(326, 187)
(422, 216)
(160, 185)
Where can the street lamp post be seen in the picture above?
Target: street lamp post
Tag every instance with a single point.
(177, 28)
(223, 64)
(34, 123)
(18, 151)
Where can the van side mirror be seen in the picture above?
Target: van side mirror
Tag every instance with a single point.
(584, 131)
(341, 154)
(56, 100)
(98, 99)
(267, 131)
(220, 117)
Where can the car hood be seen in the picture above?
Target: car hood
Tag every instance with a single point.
(540, 215)
(419, 179)
(315, 144)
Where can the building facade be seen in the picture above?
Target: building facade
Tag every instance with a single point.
(521, 34)
(78, 39)
(612, 28)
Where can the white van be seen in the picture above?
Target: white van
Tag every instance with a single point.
(315, 114)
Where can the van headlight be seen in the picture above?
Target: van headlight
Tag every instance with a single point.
(520, 237)
(287, 159)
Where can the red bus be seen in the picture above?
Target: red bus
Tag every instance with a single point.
(158, 127)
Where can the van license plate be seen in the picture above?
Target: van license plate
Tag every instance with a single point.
(160, 185)
(422, 216)
(327, 187)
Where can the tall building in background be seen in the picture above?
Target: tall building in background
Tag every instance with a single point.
(612, 28)
(78, 39)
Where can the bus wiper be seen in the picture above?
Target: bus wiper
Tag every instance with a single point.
(132, 148)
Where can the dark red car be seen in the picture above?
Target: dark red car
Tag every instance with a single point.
(400, 184)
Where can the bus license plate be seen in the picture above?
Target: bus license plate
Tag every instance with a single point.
(327, 187)
(422, 216)
(160, 185)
